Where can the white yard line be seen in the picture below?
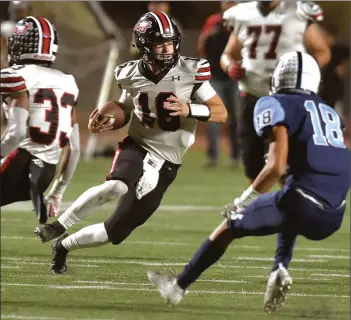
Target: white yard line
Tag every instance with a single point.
(330, 257)
(23, 263)
(4, 266)
(22, 317)
(147, 263)
(75, 287)
(93, 262)
(149, 284)
(272, 259)
(14, 316)
(185, 244)
(27, 206)
(332, 275)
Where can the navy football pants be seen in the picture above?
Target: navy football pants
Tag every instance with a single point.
(287, 212)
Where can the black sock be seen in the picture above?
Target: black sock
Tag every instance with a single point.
(58, 226)
(207, 255)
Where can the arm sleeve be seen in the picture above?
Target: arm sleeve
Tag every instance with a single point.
(60, 184)
(202, 90)
(74, 142)
(16, 130)
(230, 20)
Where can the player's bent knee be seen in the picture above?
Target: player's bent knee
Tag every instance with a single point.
(119, 187)
(115, 188)
(117, 235)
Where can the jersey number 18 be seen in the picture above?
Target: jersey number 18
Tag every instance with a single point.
(332, 134)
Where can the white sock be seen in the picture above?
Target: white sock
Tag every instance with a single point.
(88, 237)
(90, 200)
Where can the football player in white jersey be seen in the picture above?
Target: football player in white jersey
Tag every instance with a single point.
(159, 90)
(262, 31)
(40, 107)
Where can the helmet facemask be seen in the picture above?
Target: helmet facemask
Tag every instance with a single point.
(160, 60)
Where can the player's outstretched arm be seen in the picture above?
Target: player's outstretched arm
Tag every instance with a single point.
(17, 122)
(274, 169)
(277, 159)
(316, 44)
(67, 166)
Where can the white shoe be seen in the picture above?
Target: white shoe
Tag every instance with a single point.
(279, 283)
(167, 286)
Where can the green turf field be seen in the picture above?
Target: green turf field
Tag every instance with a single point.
(110, 282)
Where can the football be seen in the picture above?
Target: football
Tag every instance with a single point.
(118, 116)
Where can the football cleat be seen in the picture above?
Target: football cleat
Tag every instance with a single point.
(47, 232)
(167, 286)
(58, 263)
(279, 283)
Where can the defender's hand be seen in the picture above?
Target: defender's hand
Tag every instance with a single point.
(179, 107)
(231, 209)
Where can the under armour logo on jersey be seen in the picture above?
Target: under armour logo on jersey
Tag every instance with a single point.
(39, 163)
(175, 78)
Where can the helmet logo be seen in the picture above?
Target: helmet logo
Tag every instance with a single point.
(21, 29)
(143, 26)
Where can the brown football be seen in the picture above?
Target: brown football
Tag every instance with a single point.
(113, 110)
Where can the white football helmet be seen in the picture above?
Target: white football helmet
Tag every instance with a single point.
(295, 72)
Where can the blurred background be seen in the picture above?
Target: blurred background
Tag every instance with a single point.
(96, 36)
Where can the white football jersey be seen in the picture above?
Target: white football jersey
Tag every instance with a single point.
(52, 97)
(265, 38)
(151, 126)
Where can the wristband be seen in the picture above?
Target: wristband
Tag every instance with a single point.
(199, 112)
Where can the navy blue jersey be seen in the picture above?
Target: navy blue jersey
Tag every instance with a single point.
(318, 159)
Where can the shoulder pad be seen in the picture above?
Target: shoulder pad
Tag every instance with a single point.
(229, 18)
(11, 81)
(124, 70)
(190, 62)
(268, 112)
(310, 10)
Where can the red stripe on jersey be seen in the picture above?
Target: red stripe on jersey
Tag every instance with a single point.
(202, 78)
(164, 20)
(8, 160)
(13, 89)
(11, 80)
(46, 35)
(204, 69)
(114, 162)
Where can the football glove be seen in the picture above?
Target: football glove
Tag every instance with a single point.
(235, 71)
(53, 205)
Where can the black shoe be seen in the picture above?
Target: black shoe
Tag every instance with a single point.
(47, 232)
(58, 263)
